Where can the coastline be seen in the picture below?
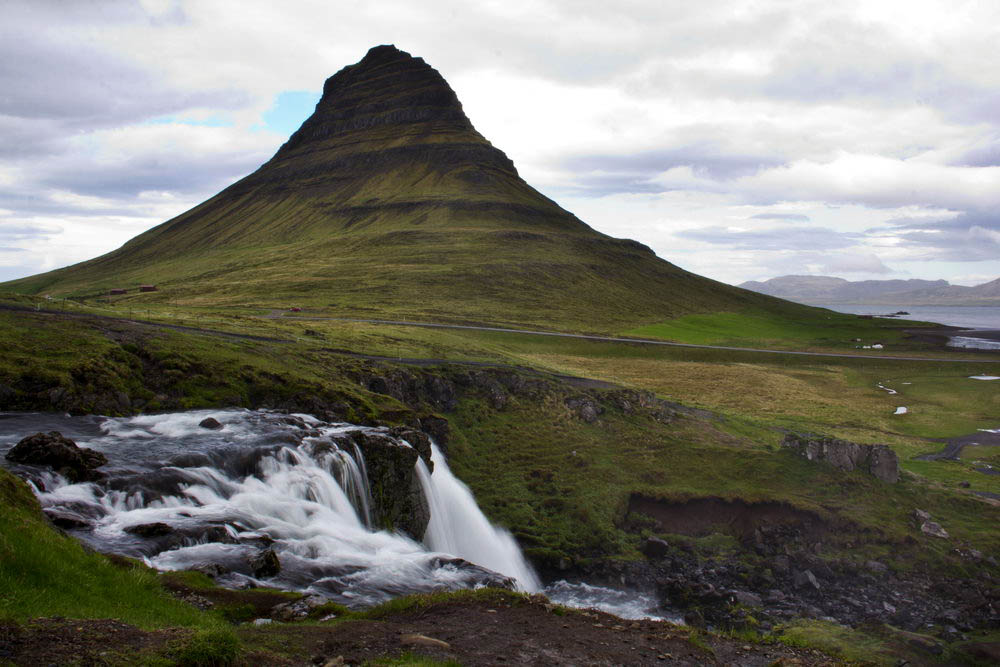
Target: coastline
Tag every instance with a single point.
(940, 335)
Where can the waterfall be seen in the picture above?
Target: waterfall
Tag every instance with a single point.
(180, 497)
(459, 527)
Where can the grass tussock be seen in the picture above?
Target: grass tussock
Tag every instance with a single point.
(45, 573)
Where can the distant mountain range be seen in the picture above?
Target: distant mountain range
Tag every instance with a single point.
(825, 290)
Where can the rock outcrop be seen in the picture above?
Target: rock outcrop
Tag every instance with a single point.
(398, 501)
(877, 460)
(60, 453)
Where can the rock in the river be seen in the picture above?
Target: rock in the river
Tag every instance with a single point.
(210, 423)
(264, 563)
(398, 501)
(66, 519)
(877, 460)
(77, 464)
(157, 529)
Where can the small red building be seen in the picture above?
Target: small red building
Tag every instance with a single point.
(147, 288)
(118, 290)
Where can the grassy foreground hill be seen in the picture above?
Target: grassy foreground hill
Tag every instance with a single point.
(388, 201)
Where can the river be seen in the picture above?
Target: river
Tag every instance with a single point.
(181, 496)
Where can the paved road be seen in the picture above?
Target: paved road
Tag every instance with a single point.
(433, 325)
(646, 341)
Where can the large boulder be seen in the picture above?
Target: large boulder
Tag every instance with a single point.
(876, 460)
(398, 501)
(77, 464)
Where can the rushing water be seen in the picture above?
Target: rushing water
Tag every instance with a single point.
(261, 483)
(288, 484)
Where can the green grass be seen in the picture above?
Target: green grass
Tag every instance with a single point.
(837, 640)
(815, 329)
(45, 573)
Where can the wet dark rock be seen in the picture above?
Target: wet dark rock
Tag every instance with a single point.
(158, 529)
(437, 428)
(210, 423)
(67, 520)
(77, 464)
(877, 460)
(418, 440)
(264, 563)
(398, 501)
(482, 576)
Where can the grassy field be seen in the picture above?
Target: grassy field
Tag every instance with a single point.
(560, 484)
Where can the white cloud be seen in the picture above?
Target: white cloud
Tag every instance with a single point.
(874, 121)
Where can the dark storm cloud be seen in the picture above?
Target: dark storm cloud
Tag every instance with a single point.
(789, 217)
(778, 238)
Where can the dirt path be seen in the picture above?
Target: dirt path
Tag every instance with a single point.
(470, 633)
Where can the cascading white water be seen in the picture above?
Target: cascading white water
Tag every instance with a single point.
(258, 483)
(226, 495)
(458, 526)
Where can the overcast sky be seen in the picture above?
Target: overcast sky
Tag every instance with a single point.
(740, 140)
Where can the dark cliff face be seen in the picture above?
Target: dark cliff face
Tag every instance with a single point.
(387, 87)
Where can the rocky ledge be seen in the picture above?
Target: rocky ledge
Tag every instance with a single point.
(877, 460)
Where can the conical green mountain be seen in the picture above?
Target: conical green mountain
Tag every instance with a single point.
(387, 202)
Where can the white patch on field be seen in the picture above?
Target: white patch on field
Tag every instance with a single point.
(984, 377)
(900, 411)
(882, 386)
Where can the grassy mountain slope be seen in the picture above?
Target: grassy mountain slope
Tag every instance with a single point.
(388, 201)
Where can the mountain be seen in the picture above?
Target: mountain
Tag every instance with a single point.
(823, 290)
(387, 202)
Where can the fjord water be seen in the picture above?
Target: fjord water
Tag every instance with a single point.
(258, 484)
(967, 317)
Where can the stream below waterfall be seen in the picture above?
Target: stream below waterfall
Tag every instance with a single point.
(266, 486)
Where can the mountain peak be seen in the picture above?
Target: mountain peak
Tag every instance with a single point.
(388, 87)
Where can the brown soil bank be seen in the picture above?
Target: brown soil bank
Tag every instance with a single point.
(704, 516)
(508, 630)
